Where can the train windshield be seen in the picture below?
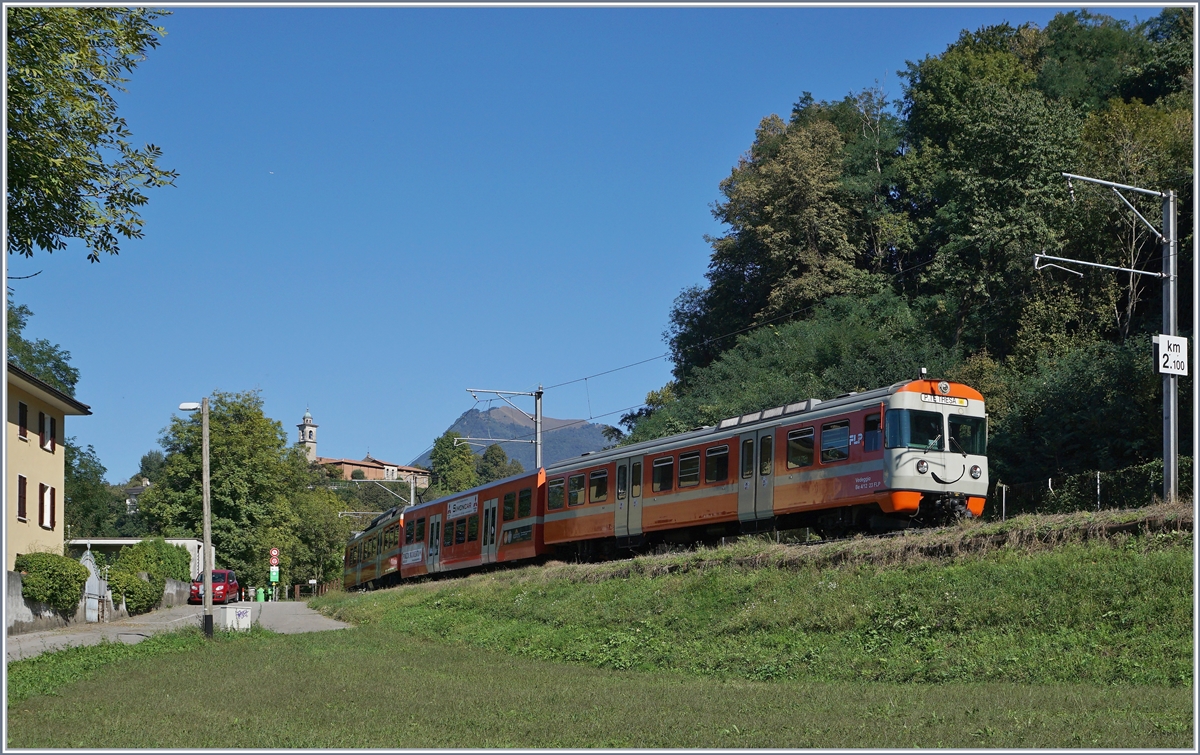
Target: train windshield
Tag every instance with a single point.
(968, 435)
(910, 428)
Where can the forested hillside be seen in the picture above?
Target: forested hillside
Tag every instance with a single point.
(866, 238)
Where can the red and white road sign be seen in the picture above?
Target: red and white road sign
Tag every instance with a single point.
(274, 560)
(274, 553)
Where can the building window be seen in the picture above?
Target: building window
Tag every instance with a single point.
(46, 505)
(716, 464)
(48, 431)
(22, 483)
(22, 421)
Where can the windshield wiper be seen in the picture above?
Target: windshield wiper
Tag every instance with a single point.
(960, 448)
(933, 445)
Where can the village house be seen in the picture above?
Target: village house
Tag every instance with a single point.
(36, 468)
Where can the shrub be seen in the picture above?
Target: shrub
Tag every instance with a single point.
(140, 595)
(54, 580)
(157, 558)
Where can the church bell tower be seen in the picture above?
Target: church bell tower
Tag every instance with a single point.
(308, 436)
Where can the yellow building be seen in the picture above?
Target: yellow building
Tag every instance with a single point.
(35, 470)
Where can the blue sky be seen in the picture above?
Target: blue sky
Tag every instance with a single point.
(379, 208)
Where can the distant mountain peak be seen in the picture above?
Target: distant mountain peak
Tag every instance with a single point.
(561, 438)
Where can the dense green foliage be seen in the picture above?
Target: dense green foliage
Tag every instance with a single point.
(1104, 613)
(52, 579)
(72, 171)
(156, 558)
(452, 465)
(864, 242)
(45, 361)
(494, 465)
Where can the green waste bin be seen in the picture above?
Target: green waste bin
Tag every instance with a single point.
(260, 595)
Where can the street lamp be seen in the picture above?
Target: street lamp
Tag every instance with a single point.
(192, 406)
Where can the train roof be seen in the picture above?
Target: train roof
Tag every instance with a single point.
(749, 421)
(476, 489)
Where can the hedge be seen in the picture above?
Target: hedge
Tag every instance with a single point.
(1128, 488)
(52, 579)
(157, 559)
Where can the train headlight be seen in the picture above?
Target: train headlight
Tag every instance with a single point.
(976, 472)
(922, 466)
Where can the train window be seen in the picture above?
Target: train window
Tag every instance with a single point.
(622, 482)
(662, 475)
(448, 535)
(872, 436)
(968, 434)
(748, 458)
(555, 496)
(716, 464)
(689, 469)
(420, 534)
(460, 531)
(800, 448)
(911, 428)
(598, 487)
(575, 490)
(408, 532)
(510, 506)
(472, 528)
(766, 455)
(525, 503)
(835, 441)
(635, 479)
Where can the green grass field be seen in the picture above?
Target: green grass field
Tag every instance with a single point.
(1081, 642)
(372, 687)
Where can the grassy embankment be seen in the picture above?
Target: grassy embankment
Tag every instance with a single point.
(1042, 632)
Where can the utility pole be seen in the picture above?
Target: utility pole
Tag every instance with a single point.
(1170, 250)
(536, 417)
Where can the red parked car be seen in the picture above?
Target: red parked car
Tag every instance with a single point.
(225, 587)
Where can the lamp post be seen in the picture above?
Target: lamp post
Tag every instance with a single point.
(192, 406)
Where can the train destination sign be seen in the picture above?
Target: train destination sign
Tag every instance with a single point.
(462, 507)
(951, 400)
(1172, 355)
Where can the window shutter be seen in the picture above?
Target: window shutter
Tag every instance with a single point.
(22, 484)
(53, 521)
(53, 432)
(22, 420)
(41, 503)
(42, 428)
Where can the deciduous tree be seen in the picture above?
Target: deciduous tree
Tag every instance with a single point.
(72, 169)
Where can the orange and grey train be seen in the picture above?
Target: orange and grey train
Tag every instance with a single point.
(909, 455)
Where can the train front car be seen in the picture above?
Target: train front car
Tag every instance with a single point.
(935, 451)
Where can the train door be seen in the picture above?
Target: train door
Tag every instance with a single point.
(488, 549)
(756, 473)
(628, 522)
(435, 543)
(765, 475)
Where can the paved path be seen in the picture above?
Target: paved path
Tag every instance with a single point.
(283, 617)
